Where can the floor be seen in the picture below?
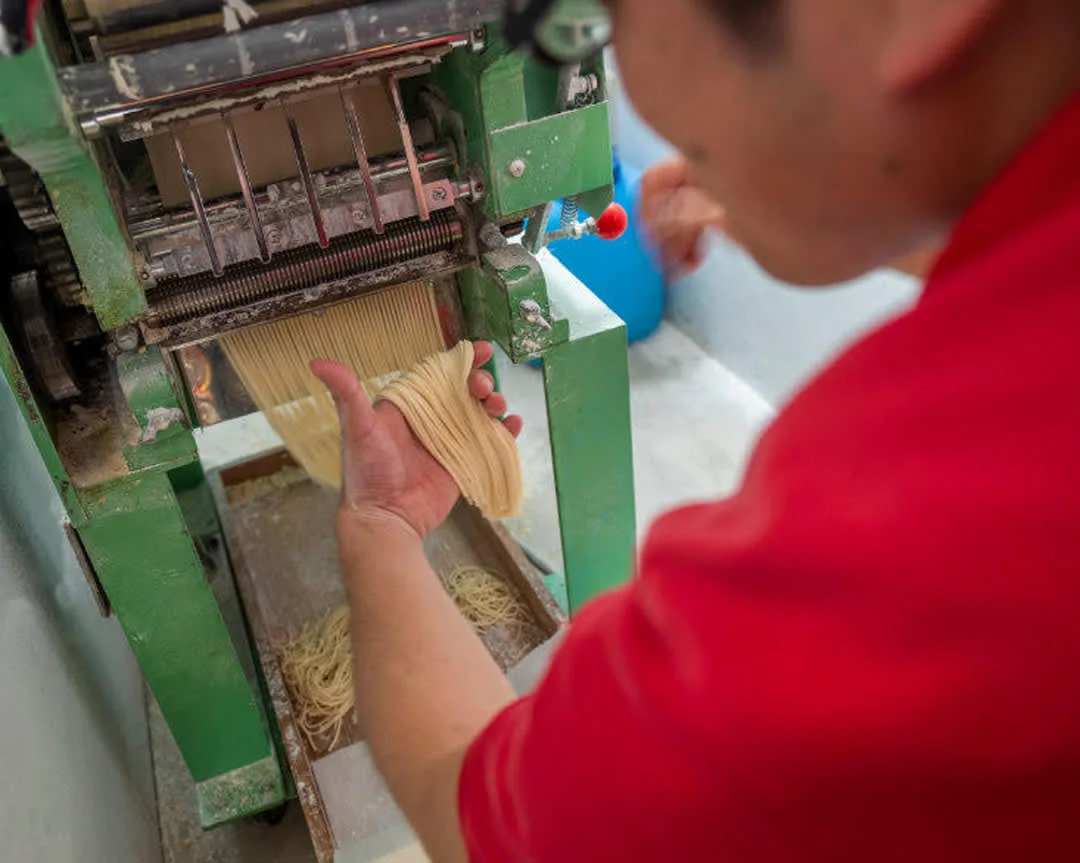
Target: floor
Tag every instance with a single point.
(694, 424)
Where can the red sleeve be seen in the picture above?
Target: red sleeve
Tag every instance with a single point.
(859, 658)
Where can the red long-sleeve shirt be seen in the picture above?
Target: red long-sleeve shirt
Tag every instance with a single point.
(871, 652)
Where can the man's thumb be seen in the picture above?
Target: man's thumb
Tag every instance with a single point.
(354, 407)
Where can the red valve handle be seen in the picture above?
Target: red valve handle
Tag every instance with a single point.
(613, 223)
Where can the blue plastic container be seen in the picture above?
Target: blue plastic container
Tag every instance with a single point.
(620, 272)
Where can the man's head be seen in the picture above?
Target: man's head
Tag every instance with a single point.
(842, 134)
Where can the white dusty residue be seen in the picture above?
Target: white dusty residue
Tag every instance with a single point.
(122, 71)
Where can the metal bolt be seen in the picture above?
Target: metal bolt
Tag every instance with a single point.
(583, 85)
(127, 339)
(533, 314)
(517, 169)
(438, 194)
(273, 237)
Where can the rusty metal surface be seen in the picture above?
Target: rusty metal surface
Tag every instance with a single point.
(208, 327)
(137, 80)
(27, 192)
(216, 390)
(305, 268)
(133, 25)
(284, 223)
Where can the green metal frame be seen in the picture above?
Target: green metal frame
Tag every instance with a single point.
(150, 533)
(508, 110)
(587, 389)
(507, 105)
(144, 552)
(41, 131)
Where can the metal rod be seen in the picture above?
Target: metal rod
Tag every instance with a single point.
(356, 135)
(303, 269)
(382, 170)
(305, 175)
(245, 188)
(181, 71)
(536, 232)
(564, 97)
(197, 205)
(394, 87)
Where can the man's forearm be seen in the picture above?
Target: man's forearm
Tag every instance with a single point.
(425, 685)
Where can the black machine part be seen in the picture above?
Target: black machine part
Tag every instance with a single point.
(45, 348)
(181, 71)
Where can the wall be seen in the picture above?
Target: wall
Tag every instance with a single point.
(771, 335)
(77, 783)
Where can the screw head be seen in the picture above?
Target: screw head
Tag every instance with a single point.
(438, 194)
(517, 169)
(127, 339)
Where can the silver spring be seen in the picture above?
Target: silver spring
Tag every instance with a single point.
(570, 211)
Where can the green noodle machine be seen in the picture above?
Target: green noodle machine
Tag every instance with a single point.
(175, 171)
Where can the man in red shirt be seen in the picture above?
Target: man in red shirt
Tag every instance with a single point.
(872, 651)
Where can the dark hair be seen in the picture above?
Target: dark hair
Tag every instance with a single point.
(756, 21)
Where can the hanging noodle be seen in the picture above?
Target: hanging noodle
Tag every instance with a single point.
(475, 449)
(378, 336)
(375, 335)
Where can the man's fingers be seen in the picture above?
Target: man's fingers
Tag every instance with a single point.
(666, 174)
(482, 354)
(481, 385)
(482, 388)
(495, 405)
(354, 407)
(514, 425)
(679, 225)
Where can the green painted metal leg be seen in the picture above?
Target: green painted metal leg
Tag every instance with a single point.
(588, 399)
(142, 535)
(144, 555)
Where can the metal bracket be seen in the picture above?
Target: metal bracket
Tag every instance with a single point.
(506, 299)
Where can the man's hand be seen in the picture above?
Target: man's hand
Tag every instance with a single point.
(387, 473)
(425, 684)
(676, 214)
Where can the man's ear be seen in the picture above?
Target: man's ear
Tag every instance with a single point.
(927, 37)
